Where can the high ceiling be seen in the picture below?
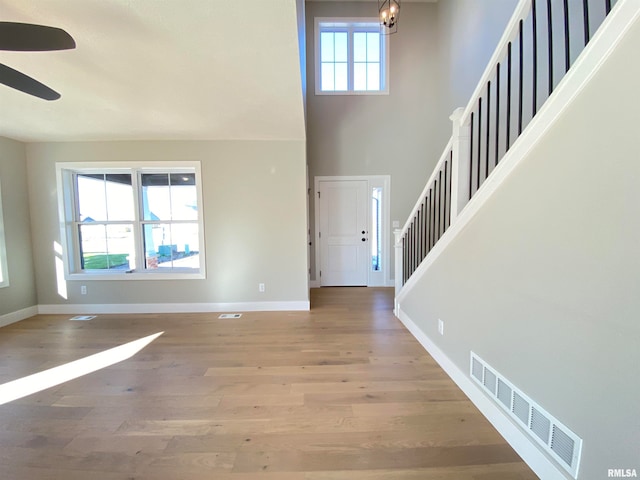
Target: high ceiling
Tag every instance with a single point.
(159, 69)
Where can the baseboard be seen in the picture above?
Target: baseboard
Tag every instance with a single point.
(316, 284)
(543, 466)
(14, 317)
(173, 307)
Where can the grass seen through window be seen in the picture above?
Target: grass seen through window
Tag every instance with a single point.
(103, 261)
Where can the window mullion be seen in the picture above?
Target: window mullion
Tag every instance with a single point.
(140, 260)
(350, 60)
(106, 224)
(171, 217)
(335, 62)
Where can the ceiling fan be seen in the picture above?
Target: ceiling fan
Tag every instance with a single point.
(26, 37)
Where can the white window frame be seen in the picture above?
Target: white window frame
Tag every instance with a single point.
(4, 270)
(67, 207)
(351, 25)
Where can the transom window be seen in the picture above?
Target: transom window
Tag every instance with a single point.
(351, 57)
(133, 220)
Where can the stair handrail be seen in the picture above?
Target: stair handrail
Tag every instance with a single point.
(462, 148)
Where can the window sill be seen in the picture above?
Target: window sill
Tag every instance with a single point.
(136, 276)
(355, 93)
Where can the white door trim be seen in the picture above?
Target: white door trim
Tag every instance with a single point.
(374, 279)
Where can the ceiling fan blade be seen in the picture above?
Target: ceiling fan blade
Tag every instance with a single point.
(14, 79)
(26, 37)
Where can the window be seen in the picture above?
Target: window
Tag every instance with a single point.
(136, 221)
(351, 57)
(375, 234)
(4, 273)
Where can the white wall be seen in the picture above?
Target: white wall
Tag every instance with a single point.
(21, 293)
(254, 214)
(543, 283)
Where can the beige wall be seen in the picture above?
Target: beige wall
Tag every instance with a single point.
(437, 58)
(543, 283)
(254, 215)
(21, 292)
(380, 134)
(468, 33)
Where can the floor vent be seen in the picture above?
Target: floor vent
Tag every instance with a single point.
(230, 315)
(82, 318)
(556, 439)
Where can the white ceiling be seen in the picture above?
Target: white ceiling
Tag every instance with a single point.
(159, 69)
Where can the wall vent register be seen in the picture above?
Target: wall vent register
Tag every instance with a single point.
(554, 437)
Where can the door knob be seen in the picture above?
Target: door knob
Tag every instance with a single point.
(364, 239)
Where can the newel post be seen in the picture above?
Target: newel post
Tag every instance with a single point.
(397, 233)
(460, 164)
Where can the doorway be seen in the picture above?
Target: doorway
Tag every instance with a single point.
(352, 236)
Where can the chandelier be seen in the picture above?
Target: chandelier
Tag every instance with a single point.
(389, 11)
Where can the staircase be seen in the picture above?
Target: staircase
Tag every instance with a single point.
(522, 243)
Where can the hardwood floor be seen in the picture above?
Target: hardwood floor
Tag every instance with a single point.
(343, 392)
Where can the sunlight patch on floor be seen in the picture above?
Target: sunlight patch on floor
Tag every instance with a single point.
(55, 376)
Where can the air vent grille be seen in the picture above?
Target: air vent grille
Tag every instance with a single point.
(490, 380)
(562, 444)
(556, 439)
(476, 369)
(230, 315)
(520, 408)
(504, 393)
(540, 425)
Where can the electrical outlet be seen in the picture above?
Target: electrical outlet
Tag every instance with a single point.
(261, 287)
(440, 327)
(83, 290)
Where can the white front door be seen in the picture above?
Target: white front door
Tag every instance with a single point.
(343, 232)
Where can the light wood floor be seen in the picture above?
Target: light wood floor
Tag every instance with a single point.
(343, 392)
